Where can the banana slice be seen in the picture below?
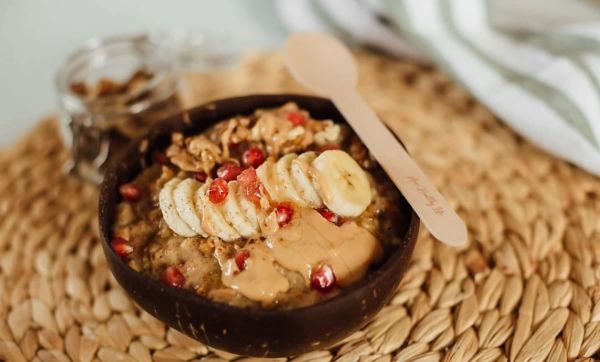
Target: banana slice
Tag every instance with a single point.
(343, 184)
(248, 208)
(233, 213)
(267, 177)
(284, 177)
(169, 210)
(212, 220)
(302, 181)
(183, 196)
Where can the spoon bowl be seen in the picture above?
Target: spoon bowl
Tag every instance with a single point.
(327, 67)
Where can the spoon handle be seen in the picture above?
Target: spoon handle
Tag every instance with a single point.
(433, 209)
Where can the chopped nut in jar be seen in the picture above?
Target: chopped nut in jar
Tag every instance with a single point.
(107, 102)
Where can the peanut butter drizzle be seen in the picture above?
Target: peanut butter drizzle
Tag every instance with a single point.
(310, 240)
(307, 241)
(260, 280)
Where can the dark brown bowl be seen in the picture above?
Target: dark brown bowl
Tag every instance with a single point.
(253, 332)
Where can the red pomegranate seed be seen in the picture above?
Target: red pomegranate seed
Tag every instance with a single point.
(130, 192)
(323, 279)
(248, 176)
(328, 147)
(201, 176)
(330, 216)
(284, 213)
(240, 259)
(229, 171)
(121, 246)
(174, 277)
(253, 193)
(159, 158)
(218, 190)
(249, 182)
(296, 118)
(253, 157)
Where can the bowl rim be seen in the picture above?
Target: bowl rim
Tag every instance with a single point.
(109, 184)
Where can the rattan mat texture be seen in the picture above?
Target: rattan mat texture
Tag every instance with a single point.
(526, 288)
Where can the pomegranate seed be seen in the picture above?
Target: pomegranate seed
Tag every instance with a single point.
(229, 171)
(296, 118)
(253, 193)
(174, 277)
(201, 176)
(121, 246)
(284, 213)
(328, 147)
(330, 216)
(130, 192)
(248, 176)
(250, 186)
(159, 158)
(253, 157)
(218, 190)
(323, 279)
(240, 259)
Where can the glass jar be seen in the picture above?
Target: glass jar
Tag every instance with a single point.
(111, 91)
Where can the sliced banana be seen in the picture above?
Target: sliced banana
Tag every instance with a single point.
(343, 184)
(169, 210)
(233, 213)
(333, 178)
(248, 208)
(302, 181)
(284, 177)
(183, 197)
(267, 177)
(212, 219)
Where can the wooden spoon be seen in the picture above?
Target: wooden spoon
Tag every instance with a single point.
(324, 64)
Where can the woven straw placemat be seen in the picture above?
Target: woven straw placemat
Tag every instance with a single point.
(525, 289)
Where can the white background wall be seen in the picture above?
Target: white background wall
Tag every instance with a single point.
(37, 35)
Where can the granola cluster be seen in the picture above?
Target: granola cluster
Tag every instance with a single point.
(285, 130)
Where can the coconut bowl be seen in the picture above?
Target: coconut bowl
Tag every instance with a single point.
(248, 331)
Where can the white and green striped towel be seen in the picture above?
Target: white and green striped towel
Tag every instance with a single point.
(535, 63)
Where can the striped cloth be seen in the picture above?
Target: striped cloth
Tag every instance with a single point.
(535, 63)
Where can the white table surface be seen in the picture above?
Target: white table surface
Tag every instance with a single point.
(37, 35)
